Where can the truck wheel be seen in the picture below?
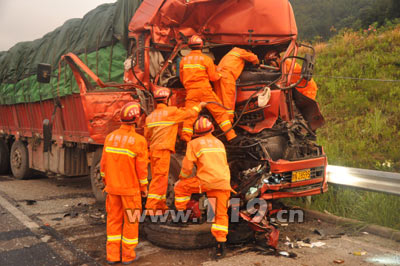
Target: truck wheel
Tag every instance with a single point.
(194, 236)
(19, 159)
(95, 177)
(4, 157)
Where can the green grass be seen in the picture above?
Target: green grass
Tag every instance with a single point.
(362, 116)
(365, 206)
(362, 119)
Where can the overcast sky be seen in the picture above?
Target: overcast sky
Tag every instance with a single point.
(27, 20)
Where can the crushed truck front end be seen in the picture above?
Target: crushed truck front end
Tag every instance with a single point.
(277, 155)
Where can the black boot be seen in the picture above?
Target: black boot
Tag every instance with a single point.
(220, 250)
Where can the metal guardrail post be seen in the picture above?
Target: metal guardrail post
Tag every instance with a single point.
(372, 180)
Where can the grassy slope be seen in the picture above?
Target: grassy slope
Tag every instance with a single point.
(362, 119)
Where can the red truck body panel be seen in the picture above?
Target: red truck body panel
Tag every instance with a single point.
(26, 119)
(219, 21)
(83, 118)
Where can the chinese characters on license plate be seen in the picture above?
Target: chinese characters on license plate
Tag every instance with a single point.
(301, 175)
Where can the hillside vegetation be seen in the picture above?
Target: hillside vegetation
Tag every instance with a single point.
(322, 19)
(362, 115)
(362, 118)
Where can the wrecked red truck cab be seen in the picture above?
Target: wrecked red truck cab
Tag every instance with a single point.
(278, 156)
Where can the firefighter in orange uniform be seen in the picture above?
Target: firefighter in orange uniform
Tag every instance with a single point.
(196, 71)
(273, 58)
(124, 171)
(213, 177)
(161, 130)
(231, 66)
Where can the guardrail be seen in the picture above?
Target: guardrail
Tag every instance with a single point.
(372, 180)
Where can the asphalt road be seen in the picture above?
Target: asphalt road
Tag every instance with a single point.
(56, 221)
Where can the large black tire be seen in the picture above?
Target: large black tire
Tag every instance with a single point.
(19, 160)
(4, 157)
(95, 177)
(194, 236)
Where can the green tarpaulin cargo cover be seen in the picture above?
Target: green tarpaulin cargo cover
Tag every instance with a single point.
(99, 39)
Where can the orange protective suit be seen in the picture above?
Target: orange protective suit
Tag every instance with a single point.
(311, 89)
(196, 72)
(213, 177)
(124, 169)
(160, 131)
(231, 66)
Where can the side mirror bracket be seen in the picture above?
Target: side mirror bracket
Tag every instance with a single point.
(307, 68)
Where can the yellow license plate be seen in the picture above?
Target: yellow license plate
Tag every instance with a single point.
(301, 175)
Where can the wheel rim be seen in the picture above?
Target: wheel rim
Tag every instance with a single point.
(16, 160)
(98, 180)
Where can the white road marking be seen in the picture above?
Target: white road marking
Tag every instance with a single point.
(24, 219)
(59, 249)
(73, 238)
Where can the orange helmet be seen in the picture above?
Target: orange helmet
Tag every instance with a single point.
(130, 112)
(161, 93)
(203, 126)
(195, 42)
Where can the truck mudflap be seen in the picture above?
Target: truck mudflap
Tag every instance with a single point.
(296, 178)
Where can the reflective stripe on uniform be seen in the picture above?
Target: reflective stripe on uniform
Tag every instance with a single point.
(185, 66)
(226, 122)
(187, 129)
(196, 108)
(235, 54)
(219, 227)
(102, 174)
(207, 150)
(231, 112)
(121, 151)
(182, 199)
(156, 196)
(160, 123)
(128, 241)
(143, 181)
(113, 237)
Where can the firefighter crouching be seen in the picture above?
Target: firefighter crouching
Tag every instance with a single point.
(161, 131)
(213, 177)
(196, 71)
(124, 171)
